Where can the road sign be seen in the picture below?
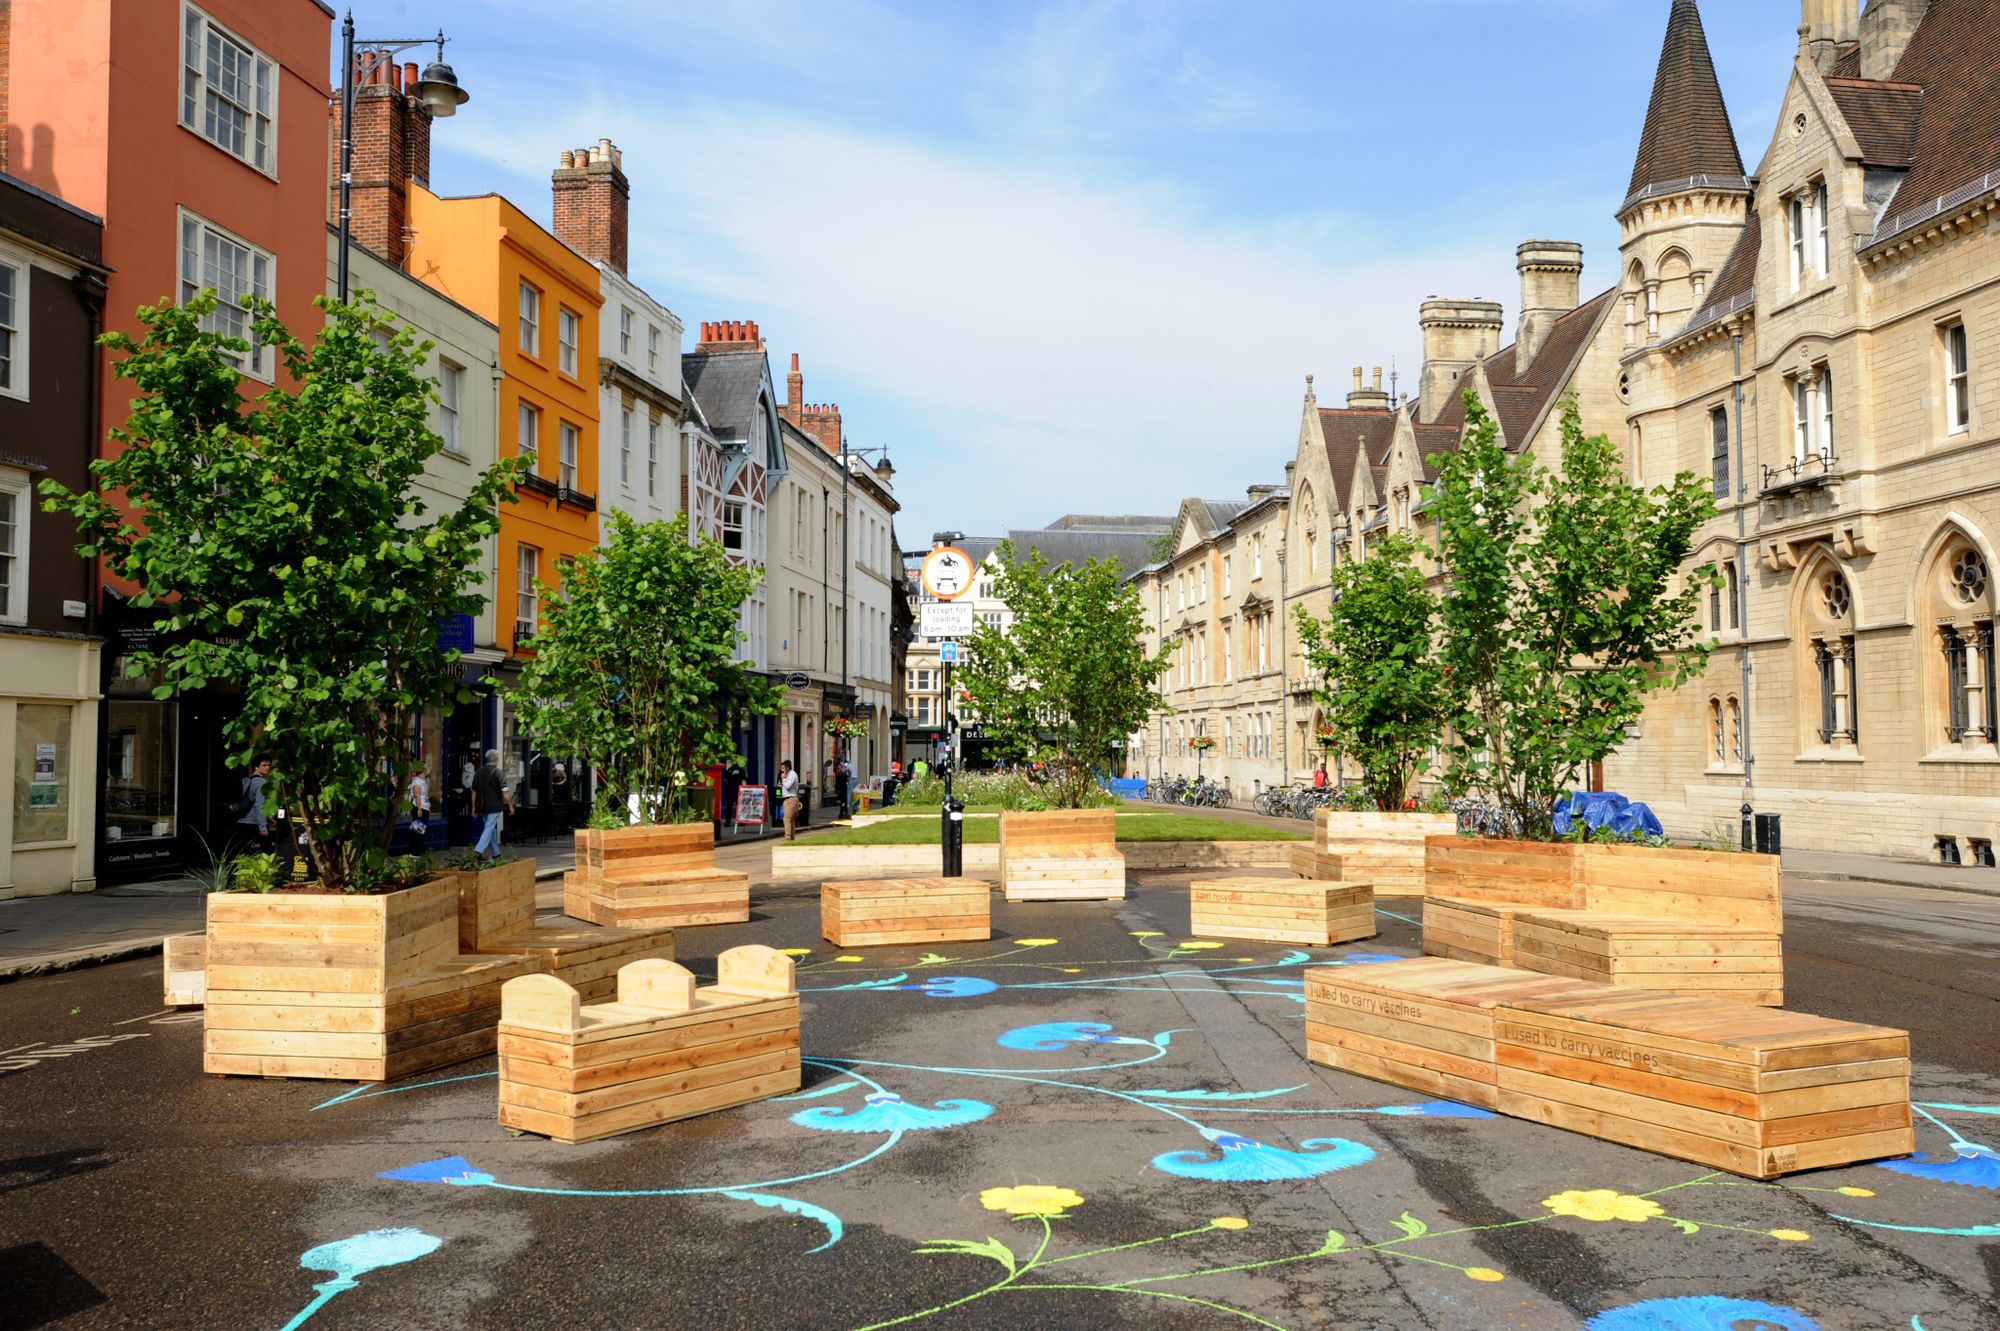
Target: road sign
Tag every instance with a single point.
(947, 573)
(948, 653)
(941, 619)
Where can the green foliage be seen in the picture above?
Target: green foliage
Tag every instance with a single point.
(1131, 827)
(465, 859)
(408, 871)
(251, 873)
(1559, 614)
(1382, 684)
(289, 548)
(634, 663)
(1009, 790)
(1070, 679)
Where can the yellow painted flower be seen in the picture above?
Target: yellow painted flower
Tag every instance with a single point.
(850, 958)
(1790, 1235)
(1036, 942)
(1072, 970)
(1603, 1204)
(1147, 933)
(1485, 1273)
(797, 951)
(1856, 1192)
(1198, 946)
(1030, 1199)
(1229, 1222)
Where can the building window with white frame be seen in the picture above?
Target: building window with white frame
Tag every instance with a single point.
(625, 331)
(212, 258)
(451, 381)
(567, 326)
(229, 92)
(652, 349)
(566, 457)
(14, 276)
(1226, 562)
(527, 568)
(625, 449)
(528, 332)
(652, 458)
(732, 524)
(1812, 416)
(528, 433)
(16, 502)
(1822, 251)
(1957, 380)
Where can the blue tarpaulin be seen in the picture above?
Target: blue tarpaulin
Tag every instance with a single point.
(1607, 808)
(1130, 787)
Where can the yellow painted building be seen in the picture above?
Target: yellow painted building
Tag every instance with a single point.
(490, 257)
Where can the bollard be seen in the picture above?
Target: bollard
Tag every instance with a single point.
(954, 837)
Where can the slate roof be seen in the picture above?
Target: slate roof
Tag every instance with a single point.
(726, 384)
(1954, 55)
(1113, 522)
(1349, 431)
(1520, 396)
(1687, 131)
(1883, 116)
(1222, 512)
(1132, 549)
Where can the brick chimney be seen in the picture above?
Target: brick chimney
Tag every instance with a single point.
(1458, 334)
(729, 335)
(1368, 399)
(594, 203)
(820, 422)
(392, 147)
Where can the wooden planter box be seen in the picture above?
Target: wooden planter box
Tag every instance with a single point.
(1682, 921)
(1206, 854)
(1386, 850)
(1061, 855)
(653, 877)
(881, 911)
(184, 965)
(353, 988)
(496, 914)
(1281, 910)
(664, 1050)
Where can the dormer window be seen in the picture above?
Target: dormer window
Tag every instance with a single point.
(1811, 254)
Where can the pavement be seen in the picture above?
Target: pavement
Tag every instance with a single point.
(43, 934)
(1086, 1123)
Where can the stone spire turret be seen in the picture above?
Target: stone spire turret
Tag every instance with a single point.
(1687, 131)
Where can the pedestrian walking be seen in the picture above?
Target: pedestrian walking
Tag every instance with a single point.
(842, 783)
(251, 832)
(418, 794)
(491, 797)
(788, 790)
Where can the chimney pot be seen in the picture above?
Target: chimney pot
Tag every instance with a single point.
(1357, 378)
(1378, 378)
(409, 83)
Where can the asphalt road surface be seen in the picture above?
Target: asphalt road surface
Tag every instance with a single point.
(1082, 1124)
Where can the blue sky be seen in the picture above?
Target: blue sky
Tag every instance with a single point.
(1079, 257)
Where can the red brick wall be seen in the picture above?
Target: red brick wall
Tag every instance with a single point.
(392, 146)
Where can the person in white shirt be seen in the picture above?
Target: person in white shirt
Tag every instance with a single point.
(788, 790)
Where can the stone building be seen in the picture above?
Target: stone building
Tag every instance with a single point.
(1216, 603)
(1827, 352)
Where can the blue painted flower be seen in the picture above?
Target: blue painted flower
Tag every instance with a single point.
(885, 1111)
(1971, 1166)
(1436, 1109)
(1700, 1312)
(1244, 1159)
(1050, 1036)
(952, 986)
(454, 1169)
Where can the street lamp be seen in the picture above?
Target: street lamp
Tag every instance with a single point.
(436, 90)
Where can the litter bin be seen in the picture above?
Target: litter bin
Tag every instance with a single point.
(1767, 833)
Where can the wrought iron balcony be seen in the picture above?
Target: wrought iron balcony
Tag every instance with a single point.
(1806, 473)
(540, 485)
(524, 636)
(576, 499)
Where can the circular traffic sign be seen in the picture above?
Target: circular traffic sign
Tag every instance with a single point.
(947, 573)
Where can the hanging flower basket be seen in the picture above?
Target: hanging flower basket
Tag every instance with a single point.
(1202, 743)
(1326, 736)
(847, 727)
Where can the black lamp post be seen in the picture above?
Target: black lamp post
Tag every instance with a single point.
(436, 90)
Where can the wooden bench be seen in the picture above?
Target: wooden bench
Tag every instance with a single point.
(1281, 910)
(871, 912)
(1724, 1084)
(1384, 850)
(350, 988)
(653, 877)
(496, 914)
(183, 969)
(664, 1050)
(1061, 855)
(1426, 1024)
(1678, 921)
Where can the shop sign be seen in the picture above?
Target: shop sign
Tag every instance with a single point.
(455, 634)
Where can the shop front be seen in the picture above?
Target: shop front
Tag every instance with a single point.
(48, 724)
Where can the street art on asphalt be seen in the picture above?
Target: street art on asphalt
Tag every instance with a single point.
(349, 1258)
(868, 1098)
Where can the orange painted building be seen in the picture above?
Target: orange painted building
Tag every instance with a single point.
(197, 130)
(490, 257)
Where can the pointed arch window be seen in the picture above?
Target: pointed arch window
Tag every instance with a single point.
(1829, 629)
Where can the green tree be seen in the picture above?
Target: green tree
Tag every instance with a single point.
(1069, 680)
(634, 664)
(1559, 612)
(1382, 685)
(291, 554)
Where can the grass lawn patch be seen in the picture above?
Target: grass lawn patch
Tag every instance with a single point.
(1131, 827)
(900, 810)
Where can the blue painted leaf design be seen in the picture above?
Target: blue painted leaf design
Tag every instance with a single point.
(1700, 1312)
(885, 1111)
(1436, 1109)
(1049, 1036)
(1244, 1159)
(792, 1206)
(454, 1169)
(1216, 1097)
(1971, 1166)
(350, 1257)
